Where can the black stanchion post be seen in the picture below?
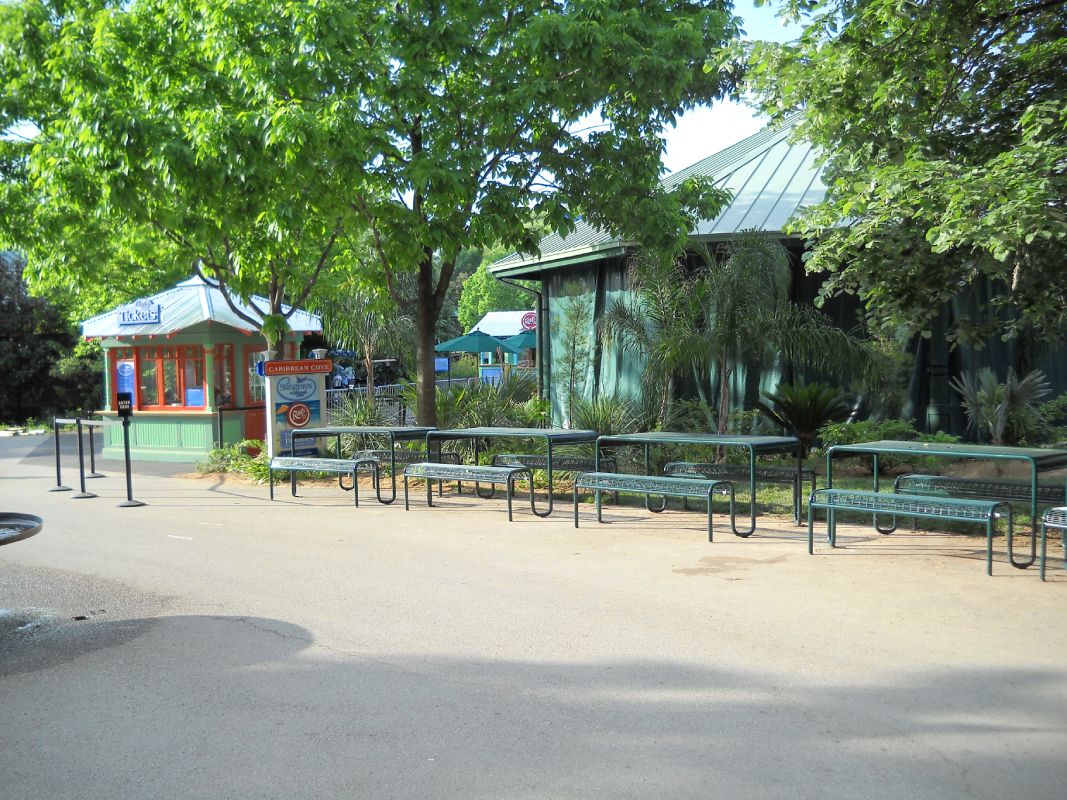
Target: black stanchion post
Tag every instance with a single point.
(59, 487)
(81, 465)
(92, 454)
(125, 410)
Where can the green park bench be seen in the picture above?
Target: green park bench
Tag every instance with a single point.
(695, 486)
(949, 509)
(338, 466)
(435, 471)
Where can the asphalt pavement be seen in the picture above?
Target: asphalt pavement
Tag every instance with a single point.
(213, 644)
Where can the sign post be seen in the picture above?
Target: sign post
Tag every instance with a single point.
(296, 398)
(125, 411)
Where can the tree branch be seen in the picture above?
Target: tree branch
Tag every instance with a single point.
(302, 297)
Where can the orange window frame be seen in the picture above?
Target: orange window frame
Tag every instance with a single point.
(182, 357)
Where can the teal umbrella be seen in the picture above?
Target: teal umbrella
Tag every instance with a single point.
(527, 340)
(474, 342)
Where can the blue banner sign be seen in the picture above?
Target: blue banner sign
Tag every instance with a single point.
(126, 377)
(140, 313)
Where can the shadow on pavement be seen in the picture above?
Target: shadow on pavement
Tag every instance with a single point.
(253, 709)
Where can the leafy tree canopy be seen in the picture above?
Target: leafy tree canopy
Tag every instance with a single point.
(944, 126)
(484, 112)
(257, 137)
(185, 133)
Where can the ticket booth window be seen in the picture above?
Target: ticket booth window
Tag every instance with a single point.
(171, 377)
(224, 375)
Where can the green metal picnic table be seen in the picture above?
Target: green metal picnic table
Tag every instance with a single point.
(1037, 458)
(752, 444)
(550, 436)
(395, 433)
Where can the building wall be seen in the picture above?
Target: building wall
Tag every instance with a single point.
(931, 402)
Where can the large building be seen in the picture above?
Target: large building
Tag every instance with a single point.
(771, 176)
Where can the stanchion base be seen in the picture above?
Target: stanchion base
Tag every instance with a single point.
(60, 489)
(130, 504)
(83, 496)
(96, 475)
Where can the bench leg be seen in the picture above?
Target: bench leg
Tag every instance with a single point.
(733, 507)
(831, 527)
(575, 492)
(811, 532)
(797, 488)
(599, 514)
(533, 505)
(989, 545)
(510, 490)
(1044, 535)
(662, 505)
(355, 485)
(709, 516)
(813, 487)
(429, 492)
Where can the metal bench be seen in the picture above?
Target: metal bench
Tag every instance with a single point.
(1054, 518)
(340, 466)
(435, 471)
(561, 463)
(985, 489)
(944, 508)
(666, 486)
(406, 457)
(789, 476)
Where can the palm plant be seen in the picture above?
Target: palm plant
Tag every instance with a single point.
(608, 415)
(747, 318)
(1000, 409)
(804, 409)
(362, 320)
(655, 322)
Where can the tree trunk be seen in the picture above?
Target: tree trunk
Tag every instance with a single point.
(724, 393)
(368, 364)
(724, 402)
(426, 313)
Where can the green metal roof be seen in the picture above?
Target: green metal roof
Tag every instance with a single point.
(189, 303)
(769, 177)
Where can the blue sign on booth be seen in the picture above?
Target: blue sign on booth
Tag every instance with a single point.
(126, 378)
(440, 364)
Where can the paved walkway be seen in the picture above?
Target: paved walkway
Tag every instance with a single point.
(231, 647)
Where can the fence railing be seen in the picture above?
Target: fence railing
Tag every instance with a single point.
(389, 396)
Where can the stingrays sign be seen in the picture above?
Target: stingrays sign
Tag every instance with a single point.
(296, 397)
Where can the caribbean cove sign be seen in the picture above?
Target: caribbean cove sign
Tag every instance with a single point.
(142, 312)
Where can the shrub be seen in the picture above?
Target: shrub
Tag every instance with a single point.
(887, 429)
(1051, 423)
(235, 459)
(803, 410)
(1003, 411)
(607, 416)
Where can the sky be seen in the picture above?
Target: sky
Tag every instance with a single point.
(707, 130)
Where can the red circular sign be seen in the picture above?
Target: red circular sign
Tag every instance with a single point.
(529, 320)
(298, 415)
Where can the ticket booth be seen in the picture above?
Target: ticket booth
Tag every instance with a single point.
(190, 363)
